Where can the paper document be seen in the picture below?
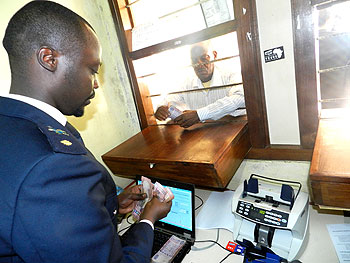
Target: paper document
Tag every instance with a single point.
(340, 235)
(217, 212)
(216, 12)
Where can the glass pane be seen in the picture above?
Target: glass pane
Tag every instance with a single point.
(334, 55)
(156, 21)
(145, 11)
(334, 19)
(171, 70)
(334, 51)
(333, 93)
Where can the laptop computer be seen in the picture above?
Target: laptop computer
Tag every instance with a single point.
(181, 219)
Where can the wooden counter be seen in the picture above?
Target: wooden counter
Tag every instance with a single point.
(206, 154)
(330, 165)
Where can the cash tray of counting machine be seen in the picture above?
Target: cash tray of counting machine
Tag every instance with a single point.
(270, 214)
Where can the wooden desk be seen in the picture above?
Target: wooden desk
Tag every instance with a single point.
(207, 154)
(330, 165)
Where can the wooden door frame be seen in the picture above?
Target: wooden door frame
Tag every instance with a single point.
(249, 50)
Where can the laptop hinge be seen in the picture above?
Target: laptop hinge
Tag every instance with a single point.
(189, 238)
(185, 236)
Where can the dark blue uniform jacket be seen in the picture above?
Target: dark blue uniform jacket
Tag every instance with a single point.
(57, 202)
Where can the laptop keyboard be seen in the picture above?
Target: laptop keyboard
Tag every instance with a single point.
(158, 241)
(161, 238)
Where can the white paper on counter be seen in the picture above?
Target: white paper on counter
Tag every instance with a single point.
(217, 212)
(340, 235)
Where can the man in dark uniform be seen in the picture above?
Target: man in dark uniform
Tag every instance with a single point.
(57, 203)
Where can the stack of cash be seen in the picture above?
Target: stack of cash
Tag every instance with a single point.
(164, 194)
(169, 250)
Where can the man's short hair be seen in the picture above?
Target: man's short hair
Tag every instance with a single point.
(43, 23)
(204, 45)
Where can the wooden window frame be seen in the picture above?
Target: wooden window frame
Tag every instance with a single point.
(306, 68)
(305, 71)
(306, 88)
(246, 27)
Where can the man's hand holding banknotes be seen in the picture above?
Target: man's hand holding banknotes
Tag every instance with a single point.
(156, 193)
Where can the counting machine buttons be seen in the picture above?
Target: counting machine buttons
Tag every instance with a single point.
(269, 218)
(272, 222)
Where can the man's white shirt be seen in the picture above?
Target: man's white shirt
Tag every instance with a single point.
(43, 106)
(211, 104)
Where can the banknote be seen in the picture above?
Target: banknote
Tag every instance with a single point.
(163, 193)
(147, 188)
(174, 112)
(169, 250)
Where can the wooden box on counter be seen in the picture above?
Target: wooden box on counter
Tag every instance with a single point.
(206, 154)
(330, 165)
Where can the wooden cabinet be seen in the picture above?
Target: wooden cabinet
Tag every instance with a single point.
(330, 166)
(206, 154)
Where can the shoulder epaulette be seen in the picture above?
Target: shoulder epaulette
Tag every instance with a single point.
(61, 140)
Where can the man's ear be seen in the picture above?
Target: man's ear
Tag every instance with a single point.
(47, 58)
(215, 54)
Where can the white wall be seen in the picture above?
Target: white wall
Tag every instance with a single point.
(275, 30)
(111, 118)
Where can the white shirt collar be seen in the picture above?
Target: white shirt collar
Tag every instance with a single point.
(48, 109)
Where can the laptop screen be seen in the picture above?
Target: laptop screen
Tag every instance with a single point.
(180, 214)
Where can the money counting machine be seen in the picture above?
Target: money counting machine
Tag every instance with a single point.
(271, 214)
